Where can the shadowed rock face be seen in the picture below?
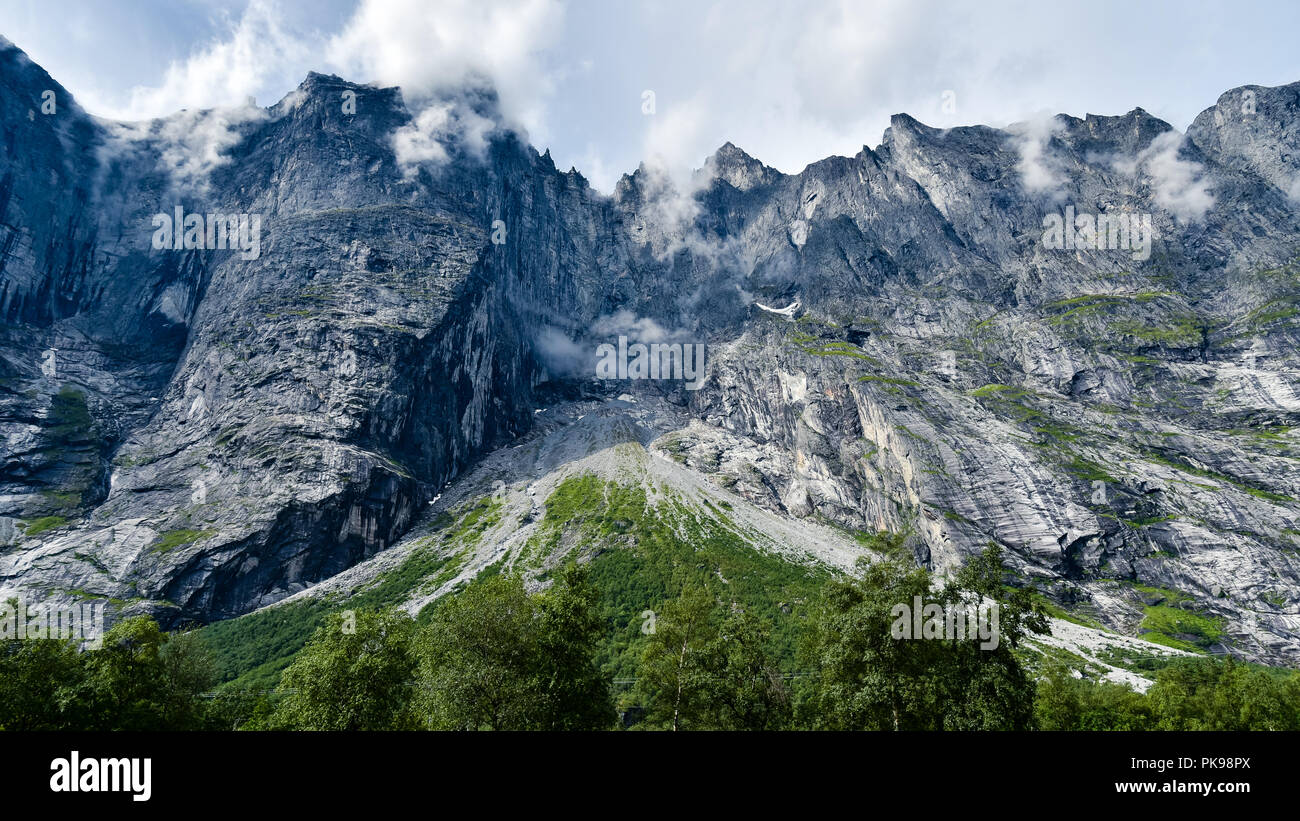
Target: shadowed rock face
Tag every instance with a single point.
(197, 433)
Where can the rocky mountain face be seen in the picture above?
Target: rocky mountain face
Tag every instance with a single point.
(896, 340)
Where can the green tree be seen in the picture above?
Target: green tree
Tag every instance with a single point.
(141, 678)
(1058, 703)
(1221, 694)
(187, 671)
(354, 674)
(239, 708)
(866, 678)
(476, 657)
(575, 694)
(40, 685)
(984, 687)
(752, 694)
(1064, 702)
(705, 670)
(869, 679)
(498, 658)
(675, 679)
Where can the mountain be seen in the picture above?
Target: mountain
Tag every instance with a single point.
(389, 386)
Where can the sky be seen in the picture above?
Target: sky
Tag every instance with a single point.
(607, 84)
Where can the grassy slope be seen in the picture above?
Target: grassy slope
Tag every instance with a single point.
(637, 549)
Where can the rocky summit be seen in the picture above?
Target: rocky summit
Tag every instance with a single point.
(266, 354)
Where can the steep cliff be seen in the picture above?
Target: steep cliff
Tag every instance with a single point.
(894, 341)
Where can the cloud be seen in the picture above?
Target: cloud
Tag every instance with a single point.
(434, 52)
(195, 115)
(791, 83)
(1178, 186)
(669, 204)
(427, 48)
(194, 142)
(846, 52)
(186, 146)
(626, 323)
(675, 137)
(597, 172)
(1040, 172)
(439, 127)
(564, 357)
(258, 50)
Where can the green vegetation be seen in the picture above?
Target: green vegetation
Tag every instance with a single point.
(474, 521)
(252, 650)
(820, 347)
(1275, 310)
(1177, 331)
(423, 569)
(495, 656)
(355, 674)
(1056, 439)
(1054, 610)
(1014, 404)
(69, 421)
(66, 501)
(1184, 629)
(35, 527)
(1092, 304)
(139, 679)
(1147, 521)
(1188, 694)
(868, 678)
(173, 539)
(996, 390)
(709, 668)
(1218, 477)
(642, 553)
(871, 377)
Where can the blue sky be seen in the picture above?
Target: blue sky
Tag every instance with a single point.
(789, 82)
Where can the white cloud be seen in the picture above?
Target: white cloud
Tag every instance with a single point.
(224, 73)
(438, 126)
(428, 47)
(626, 323)
(422, 140)
(846, 53)
(189, 145)
(1040, 172)
(676, 137)
(193, 116)
(564, 356)
(790, 83)
(597, 172)
(1178, 186)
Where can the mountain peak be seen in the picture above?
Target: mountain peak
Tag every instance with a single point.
(737, 168)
